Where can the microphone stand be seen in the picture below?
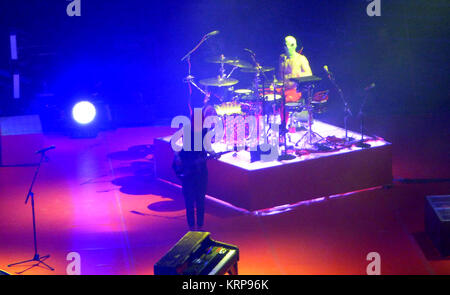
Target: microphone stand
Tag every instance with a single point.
(361, 143)
(189, 78)
(347, 110)
(39, 259)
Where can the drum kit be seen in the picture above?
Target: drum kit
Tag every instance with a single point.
(292, 102)
(267, 98)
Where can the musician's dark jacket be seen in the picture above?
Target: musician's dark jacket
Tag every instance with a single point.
(191, 168)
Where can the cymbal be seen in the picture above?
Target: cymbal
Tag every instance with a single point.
(254, 69)
(219, 82)
(231, 61)
(240, 64)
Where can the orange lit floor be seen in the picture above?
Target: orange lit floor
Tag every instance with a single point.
(98, 197)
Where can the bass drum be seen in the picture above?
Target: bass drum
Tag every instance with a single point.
(228, 108)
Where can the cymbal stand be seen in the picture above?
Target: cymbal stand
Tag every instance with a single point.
(36, 258)
(284, 129)
(309, 134)
(232, 70)
(260, 79)
(222, 68)
(190, 79)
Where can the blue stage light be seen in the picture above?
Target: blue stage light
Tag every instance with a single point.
(84, 112)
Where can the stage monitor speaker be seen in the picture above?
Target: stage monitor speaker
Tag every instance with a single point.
(437, 222)
(20, 138)
(3, 273)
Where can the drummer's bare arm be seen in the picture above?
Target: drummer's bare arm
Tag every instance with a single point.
(306, 69)
(282, 68)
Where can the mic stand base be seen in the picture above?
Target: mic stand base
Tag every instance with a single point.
(38, 259)
(285, 157)
(362, 144)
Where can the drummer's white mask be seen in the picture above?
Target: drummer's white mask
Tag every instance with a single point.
(290, 45)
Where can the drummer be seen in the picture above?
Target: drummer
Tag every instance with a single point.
(293, 64)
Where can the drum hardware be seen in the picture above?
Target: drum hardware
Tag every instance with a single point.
(309, 83)
(190, 79)
(224, 80)
(260, 78)
(222, 60)
(347, 111)
(284, 129)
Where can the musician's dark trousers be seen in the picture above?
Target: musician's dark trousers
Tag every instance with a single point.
(194, 191)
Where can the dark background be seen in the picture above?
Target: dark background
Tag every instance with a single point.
(127, 53)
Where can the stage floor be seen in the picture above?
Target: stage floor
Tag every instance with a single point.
(99, 197)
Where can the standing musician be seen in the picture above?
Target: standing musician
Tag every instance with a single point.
(293, 65)
(191, 168)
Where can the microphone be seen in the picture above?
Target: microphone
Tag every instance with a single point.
(41, 151)
(370, 87)
(325, 67)
(212, 33)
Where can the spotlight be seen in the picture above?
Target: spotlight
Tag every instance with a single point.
(84, 112)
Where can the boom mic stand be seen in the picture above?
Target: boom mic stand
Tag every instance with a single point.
(39, 259)
(347, 110)
(189, 78)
